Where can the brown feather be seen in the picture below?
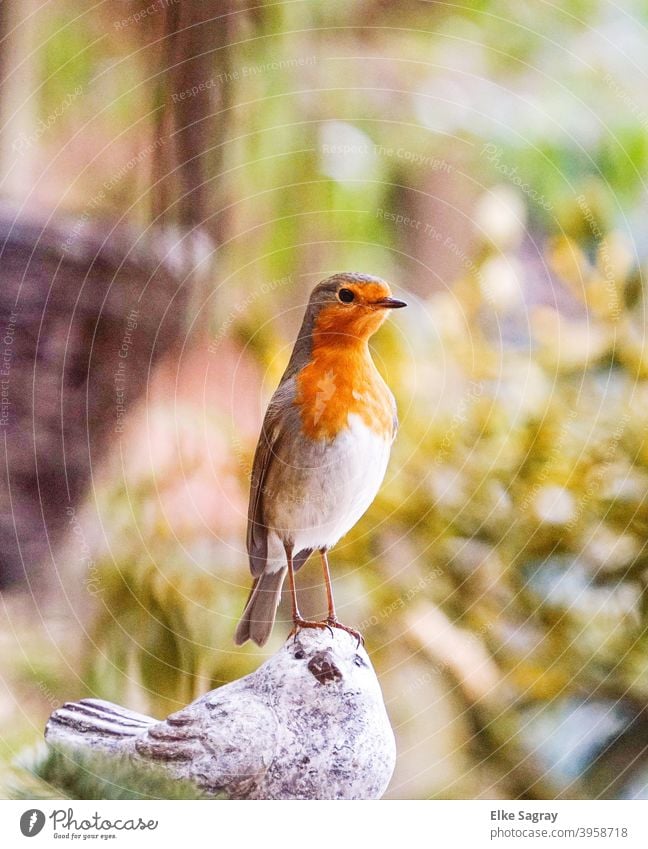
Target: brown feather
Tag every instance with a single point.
(266, 451)
(261, 609)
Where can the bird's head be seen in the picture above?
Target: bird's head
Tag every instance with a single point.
(343, 310)
(326, 660)
(349, 306)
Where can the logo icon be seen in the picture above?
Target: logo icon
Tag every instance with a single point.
(32, 822)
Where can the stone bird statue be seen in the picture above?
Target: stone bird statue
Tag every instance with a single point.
(309, 723)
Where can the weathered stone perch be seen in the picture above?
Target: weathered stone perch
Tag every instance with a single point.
(310, 723)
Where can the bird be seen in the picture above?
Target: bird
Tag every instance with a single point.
(323, 450)
(309, 723)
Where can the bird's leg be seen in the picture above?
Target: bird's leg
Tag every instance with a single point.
(329, 589)
(298, 621)
(291, 579)
(332, 619)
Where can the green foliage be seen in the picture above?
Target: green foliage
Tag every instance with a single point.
(50, 773)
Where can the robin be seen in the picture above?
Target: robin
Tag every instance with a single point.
(323, 449)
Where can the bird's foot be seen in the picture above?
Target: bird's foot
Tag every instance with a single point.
(332, 622)
(299, 625)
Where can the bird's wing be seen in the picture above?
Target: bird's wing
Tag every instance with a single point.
(265, 454)
(95, 723)
(392, 401)
(224, 742)
(389, 397)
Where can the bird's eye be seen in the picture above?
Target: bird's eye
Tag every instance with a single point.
(359, 661)
(299, 655)
(346, 296)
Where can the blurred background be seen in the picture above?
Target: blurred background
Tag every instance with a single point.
(174, 179)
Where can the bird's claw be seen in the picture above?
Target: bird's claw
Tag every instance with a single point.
(329, 623)
(333, 623)
(300, 624)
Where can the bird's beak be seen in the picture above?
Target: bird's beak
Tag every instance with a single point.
(389, 303)
(321, 666)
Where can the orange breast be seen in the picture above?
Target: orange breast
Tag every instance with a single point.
(338, 381)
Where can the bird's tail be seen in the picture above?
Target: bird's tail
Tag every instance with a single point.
(93, 722)
(261, 608)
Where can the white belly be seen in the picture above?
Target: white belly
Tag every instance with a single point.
(323, 499)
